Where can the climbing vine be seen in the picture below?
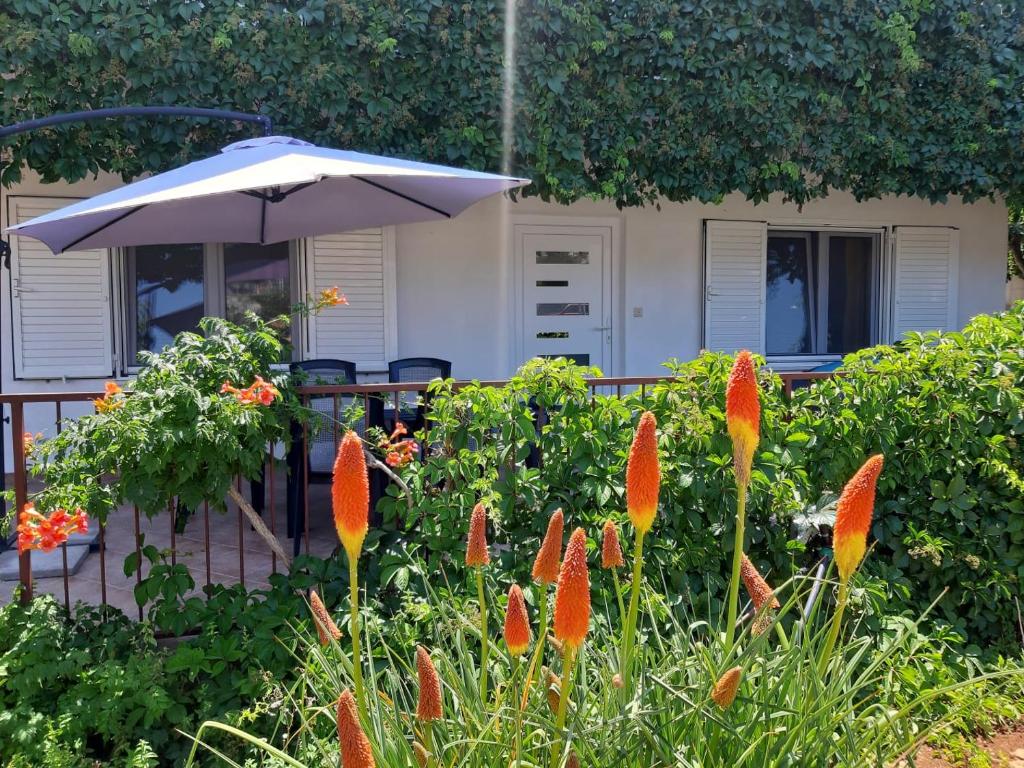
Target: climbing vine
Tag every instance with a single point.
(628, 100)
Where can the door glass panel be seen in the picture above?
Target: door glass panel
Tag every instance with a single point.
(552, 283)
(578, 359)
(849, 293)
(789, 311)
(547, 309)
(257, 279)
(552, 334)
(563, 257)
(166, 289)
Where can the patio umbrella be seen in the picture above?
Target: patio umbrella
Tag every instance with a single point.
(266, 190)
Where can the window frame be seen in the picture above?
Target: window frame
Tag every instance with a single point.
(881, 239)
(214, 298)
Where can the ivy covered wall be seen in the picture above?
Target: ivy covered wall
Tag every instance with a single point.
(628, 100)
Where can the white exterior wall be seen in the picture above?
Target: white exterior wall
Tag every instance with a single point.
(454, 278)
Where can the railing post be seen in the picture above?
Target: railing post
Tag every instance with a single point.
(21, 493)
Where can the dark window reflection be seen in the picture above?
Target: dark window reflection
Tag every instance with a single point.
(788, 321)
(849, 294)
(166, 283)
(256, 278)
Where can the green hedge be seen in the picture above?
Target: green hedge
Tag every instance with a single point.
(946, 410)
(626, 100)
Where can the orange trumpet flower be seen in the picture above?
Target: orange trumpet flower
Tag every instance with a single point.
(477, 555)
(572, 595)
(517, 624)
(429, 706)
(853, 517)
(643, 475)
(355, 748)
(545, 567)
(743, 414)
(350, 494)
(611, 550)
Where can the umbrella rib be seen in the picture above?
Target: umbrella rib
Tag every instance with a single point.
(110, 223)
(396, 193)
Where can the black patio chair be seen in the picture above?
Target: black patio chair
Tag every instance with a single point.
(412, 414)
(322, 439)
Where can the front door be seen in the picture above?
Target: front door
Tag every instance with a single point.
(565, 287)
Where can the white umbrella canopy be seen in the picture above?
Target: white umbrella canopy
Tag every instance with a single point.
(265, 190)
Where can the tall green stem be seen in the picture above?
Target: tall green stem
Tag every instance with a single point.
(357, 662)
(542, 638)
(618, 594)
(833, 632)
(568, 664)
(629, 629)
(483, 634)
(516, 664)
(737, 561)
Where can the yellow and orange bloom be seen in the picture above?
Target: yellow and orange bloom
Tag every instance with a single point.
(643, 474)
(853, 517)
(109, 401)
(611, 550)
(518, 634)
(350, 494)
(572, 595)
(429, 705)
(260, 392)
(353, 745)
(47, 532)
(545, 567)
(326, 629)
(477, 555)
(743, 414)
(330, 297)
(728, 685)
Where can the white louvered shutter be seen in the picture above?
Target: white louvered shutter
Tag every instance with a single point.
(61, 311)
(925, 272)
(361, 264)
(735, 253)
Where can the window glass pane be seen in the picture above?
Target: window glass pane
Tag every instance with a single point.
(790, 308)
(849, 293)
(256, 278)
(166, 293)
(563, 257)
(548, 308)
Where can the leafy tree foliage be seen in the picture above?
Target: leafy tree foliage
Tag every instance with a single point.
(629, 100)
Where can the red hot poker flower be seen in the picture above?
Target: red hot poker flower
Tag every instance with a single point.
(353, 745)
(517, 624)
(350, 494)
(325, 626)
(643, 475)
(759, 590)
(853, 517)
(429, 705)
(743, 414)
(545, 567)
(611, 550)
(572, 595)
(725, 690)
(477, 555)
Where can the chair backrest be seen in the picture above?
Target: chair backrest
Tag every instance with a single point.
(322, 441)
(418, 369)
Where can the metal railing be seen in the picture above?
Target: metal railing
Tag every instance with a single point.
(16, 403)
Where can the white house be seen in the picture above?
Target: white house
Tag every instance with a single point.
(621, 289)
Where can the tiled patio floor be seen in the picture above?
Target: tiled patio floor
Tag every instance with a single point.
(227, 539)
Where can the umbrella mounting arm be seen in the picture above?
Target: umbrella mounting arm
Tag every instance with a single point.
(276, 194)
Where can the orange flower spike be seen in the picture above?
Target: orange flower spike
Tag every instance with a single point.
(325, 627)
(517, 624)
(350, 494)
(545, 567)
(552, 690)
(728, 685)
(477, 555)
(429, 705)
(422, 756)
(643, 475)
(743, 414)
(572, 595)
(611, 550)
(853, 517)
(759, 590)
(353, 745)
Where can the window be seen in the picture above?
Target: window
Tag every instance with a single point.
(820, 292)
(170, 287)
